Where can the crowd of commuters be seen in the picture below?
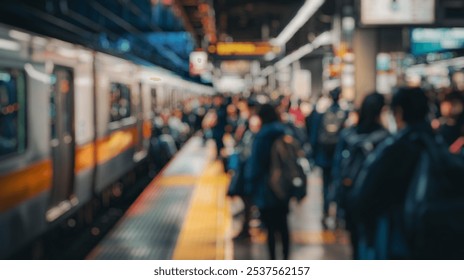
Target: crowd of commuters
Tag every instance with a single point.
(393, 167)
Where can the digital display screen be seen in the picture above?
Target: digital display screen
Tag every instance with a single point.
(427, 40)
(395, 12)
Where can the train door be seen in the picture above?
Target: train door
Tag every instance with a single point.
(62, 142)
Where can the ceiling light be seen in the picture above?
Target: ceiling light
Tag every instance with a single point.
(9, 45)
(321, 40)
(308, 9)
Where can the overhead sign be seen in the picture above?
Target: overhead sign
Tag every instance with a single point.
(198, 63)
(243, 49)
(395, 12)
(427, 40)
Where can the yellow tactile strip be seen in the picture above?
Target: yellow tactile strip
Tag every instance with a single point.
(177, 181)
(306, 237)
(204, 234)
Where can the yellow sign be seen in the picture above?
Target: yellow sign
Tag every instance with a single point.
(244, 48)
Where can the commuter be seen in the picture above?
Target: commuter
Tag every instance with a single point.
(452, 111)
(178, 129)
(207, 118)
(232, 118)
(296, 113)
(216, 121)
(200, 111)
(246, 110)
(355, 144)
(163, 146)
(257, 174)
(378, 196)
(189, 117)
(324, 131)
(243, 150)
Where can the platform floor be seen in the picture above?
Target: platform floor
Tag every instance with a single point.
(185, 214)
(309, 240)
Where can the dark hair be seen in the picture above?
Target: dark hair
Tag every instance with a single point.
(335, 94)
(370, 111)
(413, 103)
(268, 114)
(252, 103)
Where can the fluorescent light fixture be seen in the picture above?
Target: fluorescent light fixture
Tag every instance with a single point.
(267, 71)
(9, 45)
(321, 40)
(308, 9)
(18, 35)
(294, 56)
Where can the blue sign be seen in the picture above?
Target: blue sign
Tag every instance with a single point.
(429, 40)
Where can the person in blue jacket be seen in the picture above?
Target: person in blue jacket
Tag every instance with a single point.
(324, 131)
(257, 172)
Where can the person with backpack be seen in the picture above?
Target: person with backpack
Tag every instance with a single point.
(324, 133)
(355, 144)
(394, 172)
(270, 193)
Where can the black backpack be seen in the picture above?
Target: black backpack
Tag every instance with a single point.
(434, 206)
(358, 147)
(329, 131)
(288, 168)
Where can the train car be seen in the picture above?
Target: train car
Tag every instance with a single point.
(72, 123)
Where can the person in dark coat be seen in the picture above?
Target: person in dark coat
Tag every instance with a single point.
(379, 193)
(218, 130)
(368, 131)
(322, 150)
(257, 173)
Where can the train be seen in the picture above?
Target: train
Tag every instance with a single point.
(73, 121)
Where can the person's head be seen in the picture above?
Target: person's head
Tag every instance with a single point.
(371, 108)
(452, 106)
(409, 106)
(255, 124)
(268, 114)
(231, 110)
(218, 100)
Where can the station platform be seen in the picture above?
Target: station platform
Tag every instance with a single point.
(184, 214)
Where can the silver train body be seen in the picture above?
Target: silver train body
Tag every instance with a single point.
(72, 122)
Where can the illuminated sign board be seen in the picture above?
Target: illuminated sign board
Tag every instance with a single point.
(198, 63)
(427, 40)
(396, 12)
(243, 49)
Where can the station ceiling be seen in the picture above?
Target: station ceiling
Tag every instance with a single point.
(162, 32)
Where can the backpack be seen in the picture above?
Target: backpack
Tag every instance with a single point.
(329, 130)
(288, 169)
(358, 147)
(434, 205)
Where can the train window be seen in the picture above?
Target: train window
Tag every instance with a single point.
(120, 102)
(12, 112)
